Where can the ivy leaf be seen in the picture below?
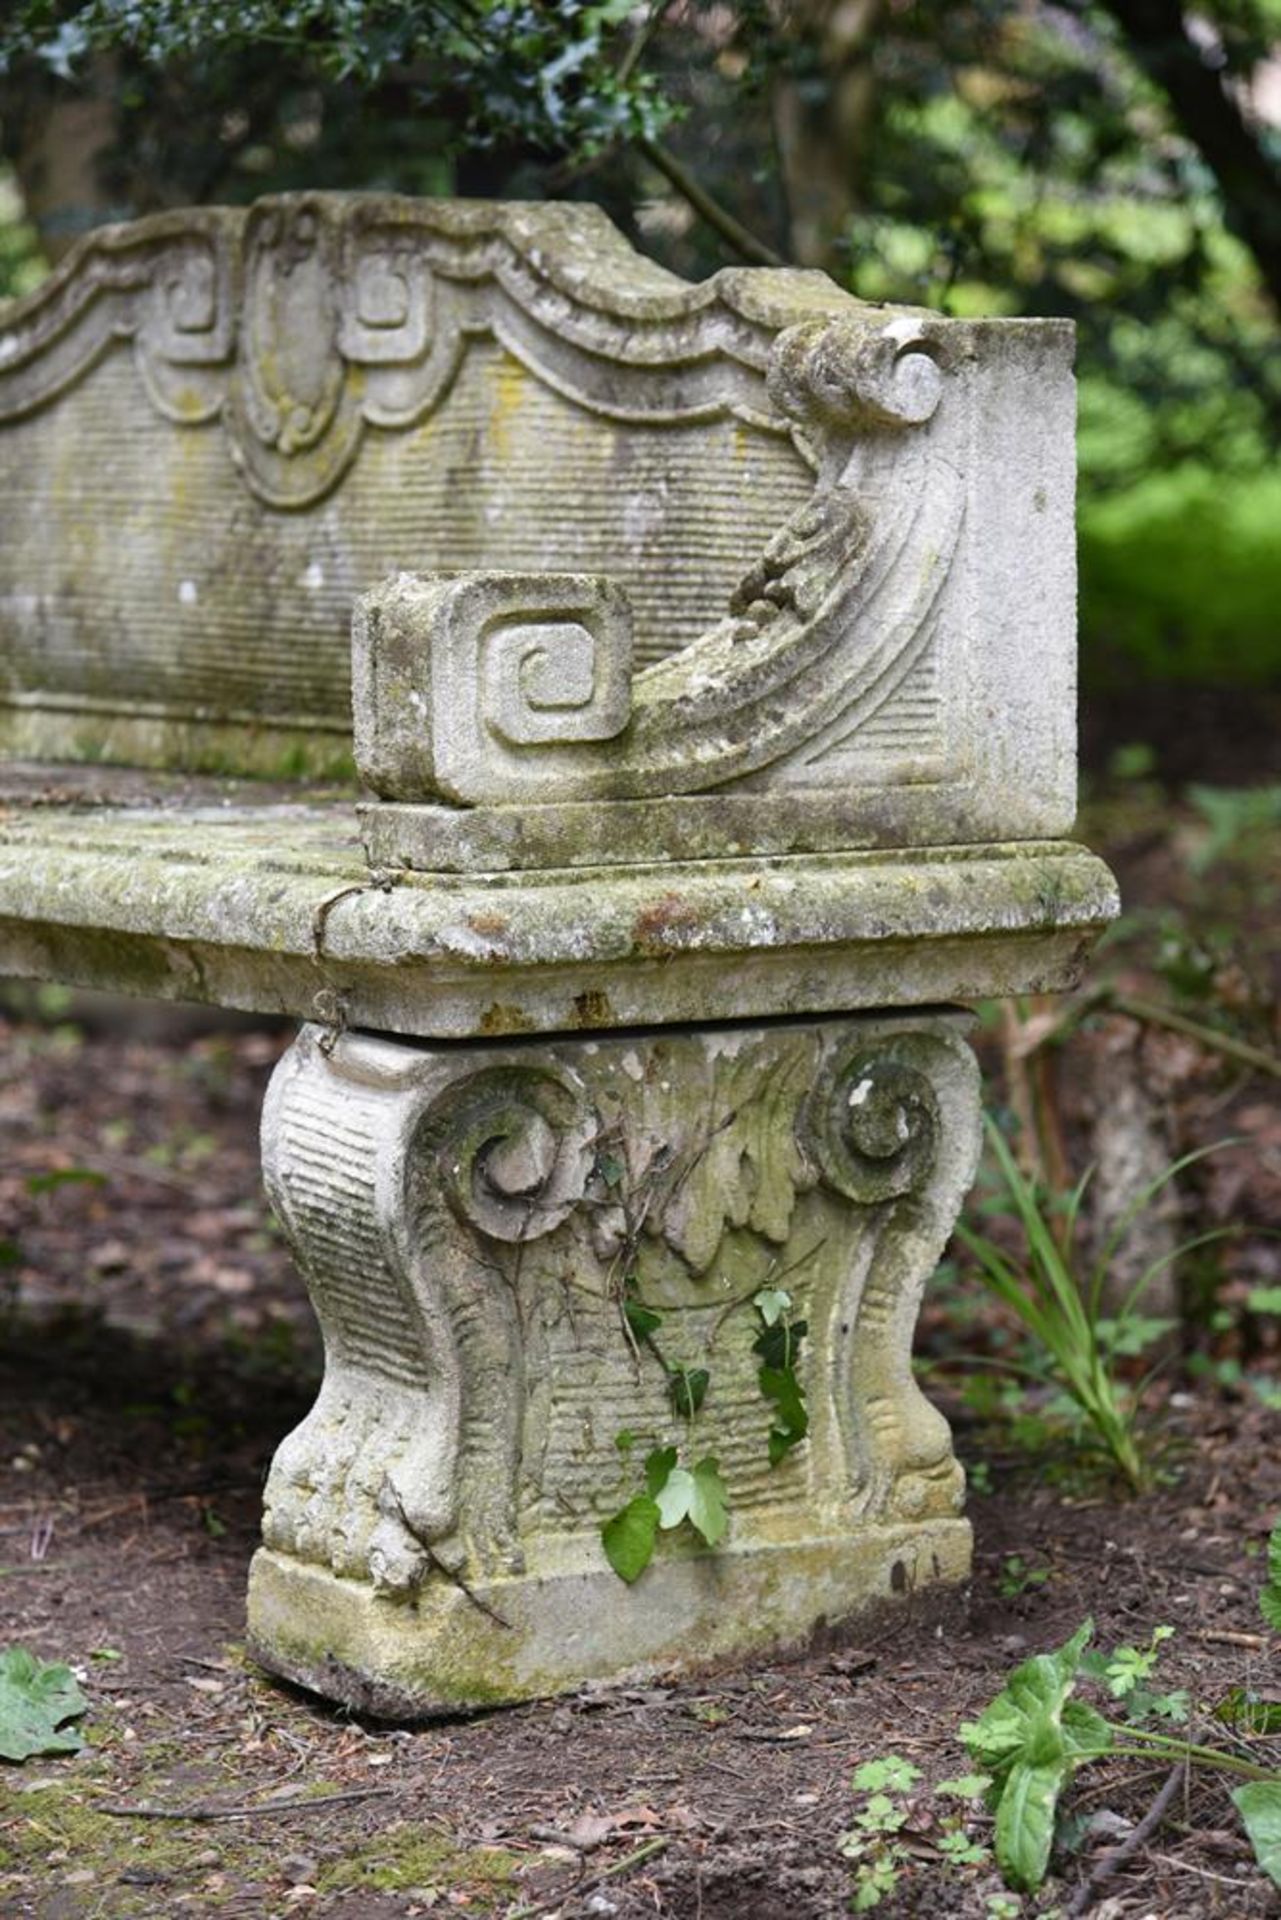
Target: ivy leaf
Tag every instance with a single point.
(698, 1497)
(1259, 1804)
(710, 1514)
(688, 1388)
(772, 1303)
(676, 1497)
(641, 1319)
(35, 1701)
(779, 1345)
(780, 1385)
(628, 1539)
(658, 1467)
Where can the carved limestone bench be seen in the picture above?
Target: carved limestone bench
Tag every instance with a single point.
(712, 685)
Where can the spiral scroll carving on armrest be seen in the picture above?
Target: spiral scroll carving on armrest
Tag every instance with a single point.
(510, 687)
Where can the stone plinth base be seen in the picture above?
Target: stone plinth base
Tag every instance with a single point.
(525, 1639)
(551, 1273)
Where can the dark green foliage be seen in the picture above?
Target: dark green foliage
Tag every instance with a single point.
(544, 77)
(1181, 578)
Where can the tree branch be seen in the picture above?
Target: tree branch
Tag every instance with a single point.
(719, 218)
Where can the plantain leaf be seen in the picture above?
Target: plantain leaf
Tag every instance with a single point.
(1259, 1804)
(1086, 1734)
(1030, 1739)
(1025, 1822)
(36, 1700)
(1270, 1598)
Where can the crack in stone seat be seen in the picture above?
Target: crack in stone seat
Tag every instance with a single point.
(701, 745)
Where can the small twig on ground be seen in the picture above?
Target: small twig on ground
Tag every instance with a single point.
(636, 1858)
(298, 1803)
(1111, 1863)
(1105, 999)
(1226, 1043)
(1229, 1637)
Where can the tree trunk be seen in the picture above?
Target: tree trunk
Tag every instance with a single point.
(61, 143)
(822, 119)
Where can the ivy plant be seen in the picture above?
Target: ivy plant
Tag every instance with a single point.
(676, 1495)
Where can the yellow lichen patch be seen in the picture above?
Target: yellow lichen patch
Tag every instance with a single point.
(510, 382)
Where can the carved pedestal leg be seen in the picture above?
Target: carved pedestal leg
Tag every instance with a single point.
(486, 1232)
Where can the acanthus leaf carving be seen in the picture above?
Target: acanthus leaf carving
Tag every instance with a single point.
(470, 1231)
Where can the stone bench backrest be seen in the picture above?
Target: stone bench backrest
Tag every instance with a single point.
(219, 427)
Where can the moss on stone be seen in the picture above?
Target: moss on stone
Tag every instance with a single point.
(403, 1857)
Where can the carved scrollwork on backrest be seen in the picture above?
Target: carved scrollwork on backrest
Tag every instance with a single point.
(871, 1124)
(514, 1146)
(820, 632)
(312, 321)
(187, 329)
(827, 372)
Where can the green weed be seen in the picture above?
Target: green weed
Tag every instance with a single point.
(1035, 1735)
(1075, 1344)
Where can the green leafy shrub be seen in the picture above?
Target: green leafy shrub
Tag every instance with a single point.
(1181, 579)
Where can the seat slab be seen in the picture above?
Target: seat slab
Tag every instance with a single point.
(243, 895)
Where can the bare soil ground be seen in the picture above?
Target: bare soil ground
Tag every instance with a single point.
(157, 1345)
